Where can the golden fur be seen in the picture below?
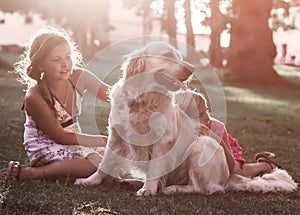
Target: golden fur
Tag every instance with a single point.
(144, 110)
(148, 132)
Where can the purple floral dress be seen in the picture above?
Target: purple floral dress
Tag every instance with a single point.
(38, 145)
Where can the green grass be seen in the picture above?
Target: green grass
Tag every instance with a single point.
(261, 118)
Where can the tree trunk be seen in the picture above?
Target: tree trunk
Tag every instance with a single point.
(170, 20)
(252, 51)
(147, 22)
(190, 38)
(217, 24)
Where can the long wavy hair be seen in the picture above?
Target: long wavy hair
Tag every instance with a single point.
(40, 44)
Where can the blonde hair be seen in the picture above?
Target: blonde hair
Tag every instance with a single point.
(40, 44)
(134, 62)
(192, 103)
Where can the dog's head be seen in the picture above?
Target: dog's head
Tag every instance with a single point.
(157, 57)
(142, 110)
(150, 75)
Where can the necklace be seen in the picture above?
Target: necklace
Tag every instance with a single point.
(64, 103)
(66, 94)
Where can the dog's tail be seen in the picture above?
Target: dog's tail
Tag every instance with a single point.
(276, 181)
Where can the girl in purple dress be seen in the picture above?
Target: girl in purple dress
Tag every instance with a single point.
(56, 148)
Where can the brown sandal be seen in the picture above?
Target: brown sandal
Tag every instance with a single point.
(265, 158)
(264, 154)
(11, 174)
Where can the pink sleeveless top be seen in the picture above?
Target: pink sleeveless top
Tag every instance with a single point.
(219, 129)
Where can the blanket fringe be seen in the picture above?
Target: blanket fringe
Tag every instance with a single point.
(276, 181)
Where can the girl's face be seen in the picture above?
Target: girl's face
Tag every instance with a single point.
(57, 65)
(202, 110)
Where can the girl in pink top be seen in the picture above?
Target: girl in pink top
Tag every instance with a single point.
(195, 105)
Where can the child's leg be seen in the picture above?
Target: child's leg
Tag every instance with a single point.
(75, 168)
(252, 169)
(95, 159)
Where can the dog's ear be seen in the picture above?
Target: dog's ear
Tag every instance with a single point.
(135, 66)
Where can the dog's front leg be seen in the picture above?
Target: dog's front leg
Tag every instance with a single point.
(154, 180)
(94, 179)
(150, 187)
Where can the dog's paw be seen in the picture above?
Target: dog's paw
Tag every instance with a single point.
(170, 190)
(145, 192)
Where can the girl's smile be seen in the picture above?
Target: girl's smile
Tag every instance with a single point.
(58, 63)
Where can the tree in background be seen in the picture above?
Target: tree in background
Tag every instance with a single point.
(170, 21)
(251, 54)
(82, 17)
(147, 19)
(279, 13)
(24, 7)
(217, 23)
(190, 37)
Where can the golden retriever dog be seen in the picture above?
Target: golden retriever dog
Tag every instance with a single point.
(148, 132)
(153, 140)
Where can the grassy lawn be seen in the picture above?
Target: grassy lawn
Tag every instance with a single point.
(262, 118)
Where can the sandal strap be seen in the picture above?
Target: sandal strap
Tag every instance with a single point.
(264, 154)
(266, 159)
(260, 160)
(11, 166)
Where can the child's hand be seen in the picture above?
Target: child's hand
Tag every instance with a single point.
(203, 130)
